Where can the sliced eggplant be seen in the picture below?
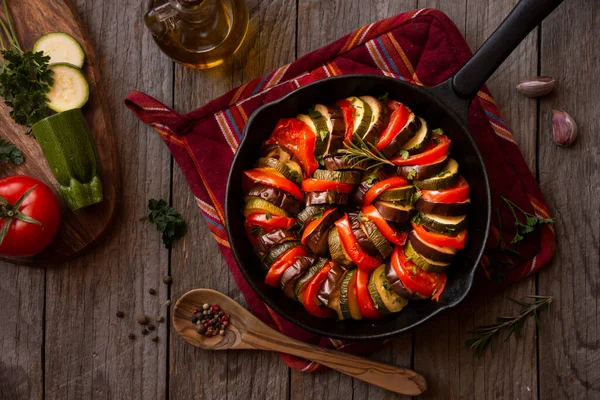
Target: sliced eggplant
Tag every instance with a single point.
(277, 197)
(334, 118)
(394, 212)
(339, 162)
(277, 165)
(406, 133)
(444, 224)
(268, 240)
(397, 286)
(334, 304)
(293, 273)
(447, 209)
(369, 179)
(398, 195)
(419, 142)
(304, 279)
(254, 204)
(309, 213)
(336, 249)
(380, 242)
(276, 251)
(329, 197)
(352, 177)
(425, 263)
(421, 172)
(348, 301)
(430, 251)
(379, 120)
(362, 116)
(331, 284)
(286, 156)
(372, 287)
(385, 298)
(316, 240)
(448, 177)
(363, 240)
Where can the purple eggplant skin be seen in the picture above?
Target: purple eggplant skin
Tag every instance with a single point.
(336, 143)
(422, 171)
(268, 148)
(268, 240)
(337, 120)
(401, 138)
(333, 281)
(277, 197)
(428, 252)
(328, 197)
(316, 241)
(362, 238)
(338, 163)
(445, 209)
(397, 285)
(291, 275)
(390, 213)
(359, 193)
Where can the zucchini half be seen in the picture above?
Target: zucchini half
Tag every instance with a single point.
(385, 298)
(426, 264)
(398, 195)
(352, 177)
(348, 301)
(336, 249)
(362, 116)
(308, 275)
(380, 118)
(276, 251)
(445, 179)
(382, 245)
(443, 224)
(321, 132)
(419, 142)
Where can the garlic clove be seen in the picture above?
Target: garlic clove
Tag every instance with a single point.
(536, 87)
(564, 128)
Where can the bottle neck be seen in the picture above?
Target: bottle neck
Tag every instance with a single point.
(194, 10)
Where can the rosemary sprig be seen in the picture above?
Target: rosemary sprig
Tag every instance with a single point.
(487, 335)
(360, 153)
(531, 221)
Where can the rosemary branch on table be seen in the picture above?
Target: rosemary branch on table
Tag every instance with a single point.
(361, 152)
(486, 335)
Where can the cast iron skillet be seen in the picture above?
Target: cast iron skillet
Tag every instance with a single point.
(443, 106)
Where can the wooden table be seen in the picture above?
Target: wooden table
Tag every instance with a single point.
(60, 337)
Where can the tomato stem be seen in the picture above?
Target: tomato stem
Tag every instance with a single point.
(10, 212)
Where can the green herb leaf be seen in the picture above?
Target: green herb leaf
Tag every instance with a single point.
(371, 179)
(404, 154)
(438, 131)
(411, 173)
(257, 231)
(416, 219)
(442, 173)
(295, 175)
(384, 97)
(167, 220)
(314, 113)
(268, 216)
(10, 153)
(413, 269)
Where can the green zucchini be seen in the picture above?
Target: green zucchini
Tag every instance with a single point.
(308, 275)
(322, 132)
(362, 116)
(374, 292)
(383, 246)
(255, 204)
(61, 48)
(443, 224)
(425, 263)
(419, 142)
(276, 251)
(348, 303)
(389, 299)
(398, 195)
(447, 178)
(379, 118)
(352, 177)
(66, 142)
(308, 213)
(70, 89)
(338, 254)
(279, 166)
(322, 142)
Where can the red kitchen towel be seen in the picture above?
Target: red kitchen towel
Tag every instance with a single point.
(423, 47)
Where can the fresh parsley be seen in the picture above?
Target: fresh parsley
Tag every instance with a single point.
(438, 131)
(167, 220)
(413, 269)
(10, 153)
(415, 196)
(416, 219)
(443, 173)
(314, 113)
(531, 221)
(268, 216)
(257, 231)
(371, 179)
(411, 173)
(404, 154)
(295, 175)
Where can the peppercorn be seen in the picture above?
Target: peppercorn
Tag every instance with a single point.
(142, 319)
(120, 314)
(144, 331)
(167, 279)
(131, 336)
(205, 306)
(155, 339)
(152, 292)
(151, 327)
(222, 332)
(160, 318)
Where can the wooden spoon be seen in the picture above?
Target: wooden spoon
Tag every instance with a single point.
(245, 331)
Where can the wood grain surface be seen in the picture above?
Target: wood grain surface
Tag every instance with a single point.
(82, 228)
(60, 338)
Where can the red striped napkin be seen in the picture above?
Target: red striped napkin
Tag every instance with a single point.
(423, 47)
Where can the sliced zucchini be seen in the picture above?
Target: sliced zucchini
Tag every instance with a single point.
(379, 120)
(256, 204)
(443, 224)
(336, 249)
(322, 136)
(276, 251)
(419, 142)
(422, 172)
(374, 291)
(395, 212)
(362, 116)
(281, 167)
(308, 275)
(383, 246)
(333, 118)
(406, 133)
(308, 213)
(451, 209)
(431, 251)
(425, 263)
(398, 195)
(61, 48)
(348, 302)
(352, 177)
(70, 89)
(389, 298)
(334, 304)
(443, 180)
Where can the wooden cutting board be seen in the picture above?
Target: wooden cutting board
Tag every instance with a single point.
(82, 228)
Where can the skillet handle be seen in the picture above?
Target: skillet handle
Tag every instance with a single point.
(458, 91)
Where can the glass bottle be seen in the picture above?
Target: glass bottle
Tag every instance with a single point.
(198, 33)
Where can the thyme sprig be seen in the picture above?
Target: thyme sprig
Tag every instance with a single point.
(487, 335)
(360, 153)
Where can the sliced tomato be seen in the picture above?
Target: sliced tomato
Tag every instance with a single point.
(393, 236)
(381, 187)
(365, 301)
(433, 152)
(398, 121)
(455, 194)
(271, 177)
(311, 303)
(437, 239)
(296, 136)
(282, 263)
(321, 185)
(312, 225)
(348, 112)
(414, 279)
(350, 243)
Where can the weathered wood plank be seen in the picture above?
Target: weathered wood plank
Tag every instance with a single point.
(452, 369)
(88, 353)
(196, 262)
(569, 341)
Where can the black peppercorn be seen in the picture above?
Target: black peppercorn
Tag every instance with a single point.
(167, 279)
(151, 327)
(120, 314)
(144, 331)
(155, 339)
(152, 292)
(142, 319)
(132, 336)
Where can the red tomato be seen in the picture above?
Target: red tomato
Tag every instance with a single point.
(414, 279)
(34, 222)
(437, 239)
(455, 194)
(296, 136)
(350, 243)
(312, 225)
(365, 301)
(282, 263)
(271, 177)
(432, 153)
(393, 236)
(311, 303)
(398, 121)
(320, 185)
(382, 186)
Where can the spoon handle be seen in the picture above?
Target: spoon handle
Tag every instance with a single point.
(397, 379)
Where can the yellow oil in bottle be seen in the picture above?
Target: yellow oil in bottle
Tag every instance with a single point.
(198, 33)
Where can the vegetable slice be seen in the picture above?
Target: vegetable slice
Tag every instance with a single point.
(448, 177)
(307, 277)
(455, 194)
(415, 280)
(396, 237)
(351, 177)
(350, 244)
(443, 224)
(365, 301)
(70, 89)
(270, 177)
(432, 153)
(457, 242)
(256, 205)
(61, 48)
(318, 185)
(279, 266)
(382, 186)
(419, 142)
(426, 264)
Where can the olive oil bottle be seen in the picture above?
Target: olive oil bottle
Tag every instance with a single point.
(198, 33)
